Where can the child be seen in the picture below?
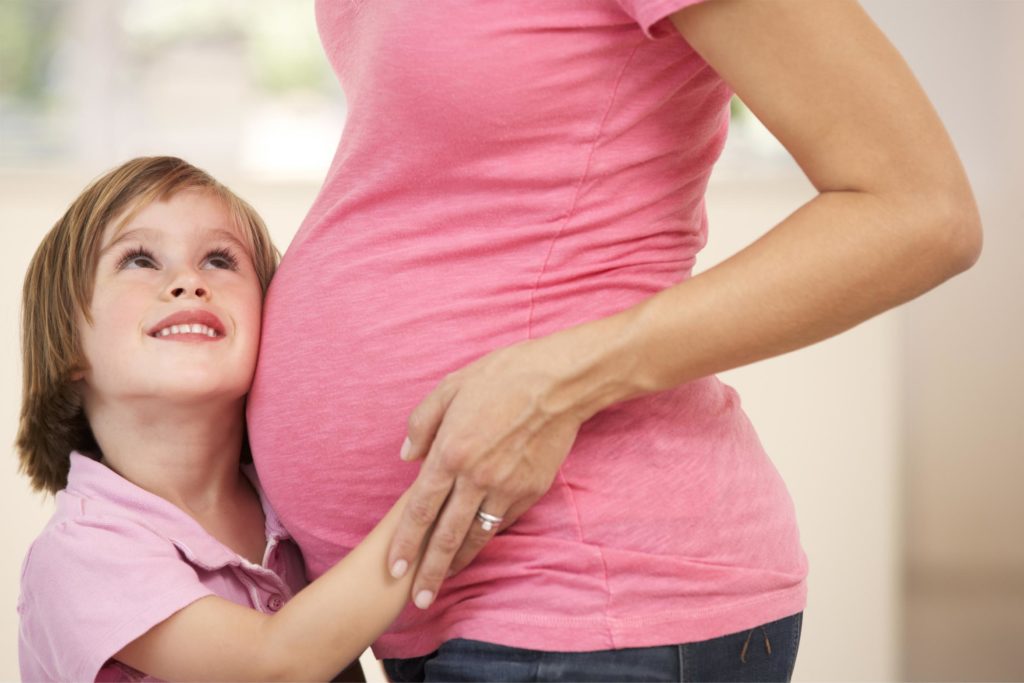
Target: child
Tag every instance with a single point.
(163, 560)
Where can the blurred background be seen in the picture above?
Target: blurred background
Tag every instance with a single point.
(902, 440)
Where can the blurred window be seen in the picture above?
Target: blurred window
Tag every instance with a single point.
(226, 83)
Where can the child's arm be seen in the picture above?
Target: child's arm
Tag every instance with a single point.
(315, 635)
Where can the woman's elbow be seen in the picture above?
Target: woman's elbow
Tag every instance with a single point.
(964, 238)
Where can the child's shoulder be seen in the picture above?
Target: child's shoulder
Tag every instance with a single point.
(82, 530)
(102, 527)
(99, 556)
(101, 514)
(101, 572)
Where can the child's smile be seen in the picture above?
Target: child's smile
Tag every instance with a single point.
(190, 325)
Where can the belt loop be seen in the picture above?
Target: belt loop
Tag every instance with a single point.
(746, 644)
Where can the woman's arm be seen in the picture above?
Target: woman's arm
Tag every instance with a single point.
(894, 217)
(315, 635)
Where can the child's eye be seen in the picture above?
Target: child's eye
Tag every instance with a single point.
(222, 258)
(137, 258)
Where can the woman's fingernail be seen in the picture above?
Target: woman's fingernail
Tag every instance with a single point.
(406, 447)
(398, 569)
(423, 599)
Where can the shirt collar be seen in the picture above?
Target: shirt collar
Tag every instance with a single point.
(102, 490)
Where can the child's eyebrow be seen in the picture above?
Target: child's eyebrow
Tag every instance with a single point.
(230, 237)
(157, 236)
(128, 234)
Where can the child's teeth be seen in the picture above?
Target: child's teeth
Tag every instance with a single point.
(188, 329)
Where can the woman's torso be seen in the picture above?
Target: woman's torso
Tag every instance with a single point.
(508, 170)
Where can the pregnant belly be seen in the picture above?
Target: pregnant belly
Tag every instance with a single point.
(349, 348)
(346, 353)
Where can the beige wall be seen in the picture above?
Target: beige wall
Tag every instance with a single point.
(962, 364)
(828, 416)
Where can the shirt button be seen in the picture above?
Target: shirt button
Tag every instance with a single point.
(274, 603)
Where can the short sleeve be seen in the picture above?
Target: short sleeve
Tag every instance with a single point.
(88, 588)
(652, 15)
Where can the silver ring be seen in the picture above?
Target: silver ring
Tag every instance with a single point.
(487, 521)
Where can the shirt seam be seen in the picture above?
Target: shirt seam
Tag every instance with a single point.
(579, 186)
(533, 300)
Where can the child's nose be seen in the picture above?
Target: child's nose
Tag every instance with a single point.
(181, 291)
(187, 282)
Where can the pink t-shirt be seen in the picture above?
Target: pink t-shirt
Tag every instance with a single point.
(116, 560)
(508, 170)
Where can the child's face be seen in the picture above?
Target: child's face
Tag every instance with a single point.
(176, 306)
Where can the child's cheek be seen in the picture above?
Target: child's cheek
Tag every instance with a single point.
(118, 321)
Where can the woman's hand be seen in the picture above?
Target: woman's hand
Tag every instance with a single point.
(494, 434)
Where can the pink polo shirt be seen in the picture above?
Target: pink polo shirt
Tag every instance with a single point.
(115, 560)
(508, 170)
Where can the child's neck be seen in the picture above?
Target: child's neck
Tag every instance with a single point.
(185, 453)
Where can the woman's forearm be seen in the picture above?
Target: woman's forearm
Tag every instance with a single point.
(840, 259)
(330, 622)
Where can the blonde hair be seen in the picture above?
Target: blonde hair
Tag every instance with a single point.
(59, 286)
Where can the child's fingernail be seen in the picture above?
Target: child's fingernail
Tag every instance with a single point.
(398, 569)
(423, 599)
(406, 447)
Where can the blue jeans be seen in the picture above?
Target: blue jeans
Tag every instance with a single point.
(763, 653)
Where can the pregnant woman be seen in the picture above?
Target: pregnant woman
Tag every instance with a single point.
(496, 273)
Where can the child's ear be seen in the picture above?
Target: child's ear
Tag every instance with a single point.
(76, 373)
